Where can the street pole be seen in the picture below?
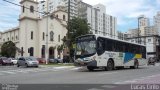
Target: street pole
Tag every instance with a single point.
(68, 41)
(68, 19)
(138, 30)
(46, 48)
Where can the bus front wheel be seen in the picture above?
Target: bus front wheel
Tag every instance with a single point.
(110, 65)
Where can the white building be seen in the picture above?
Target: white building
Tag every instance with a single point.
(52, 5)
(122, 36)
(157, 22)
(147, 35)
(151, 42)
(33, 33)
(100, 22)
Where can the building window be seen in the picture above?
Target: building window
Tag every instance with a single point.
(56, 16)
(16, 38)
(51, 36)
(64, 17)
(31, 9)
(59, 38)
(31, 51)
(23, 9)
(149, 40)
(43, 35)
(21, 51)
(31, 35)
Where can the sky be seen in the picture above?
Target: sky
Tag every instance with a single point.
(126, 12)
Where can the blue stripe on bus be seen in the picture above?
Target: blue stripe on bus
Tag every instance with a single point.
(128, 57)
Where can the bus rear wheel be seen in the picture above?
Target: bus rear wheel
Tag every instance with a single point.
(90, 68)
(110, 65)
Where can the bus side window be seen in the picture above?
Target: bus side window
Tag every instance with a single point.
(109, 45)
(127, 47)
(143, 49)
(100, 46)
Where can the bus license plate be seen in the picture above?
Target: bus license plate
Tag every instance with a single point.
(82, 63)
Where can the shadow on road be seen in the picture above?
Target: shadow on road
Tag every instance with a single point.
(102, 70)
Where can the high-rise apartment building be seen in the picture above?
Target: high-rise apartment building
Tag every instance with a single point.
(157, 22)
(100, 22)
(147, 35)
(143, 22)
(52, 5)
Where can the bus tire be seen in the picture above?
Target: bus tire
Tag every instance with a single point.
(90, 68)
(136, 65)
(110, 65)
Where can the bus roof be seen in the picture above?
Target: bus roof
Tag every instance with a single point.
(97, 35)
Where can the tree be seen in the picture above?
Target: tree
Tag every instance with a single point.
(59, 49)
(8, 49)
(77, 27)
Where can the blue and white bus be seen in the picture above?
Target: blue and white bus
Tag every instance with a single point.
(95, 51)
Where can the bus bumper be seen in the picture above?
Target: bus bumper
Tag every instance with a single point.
(90, 63)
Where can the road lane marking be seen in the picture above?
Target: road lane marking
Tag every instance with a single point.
(9, 72)
(77, 68)
(28, 70)
(95, 89)
(108, 86)
(107, 73)
(141, 79)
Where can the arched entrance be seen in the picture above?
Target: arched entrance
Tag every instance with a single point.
(51, 52)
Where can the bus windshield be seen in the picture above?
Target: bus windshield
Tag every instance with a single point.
(85, 46)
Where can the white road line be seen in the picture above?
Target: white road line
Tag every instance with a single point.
(95, 89)
(60, 67)
(107, 73)
(9, 72)
(136, 80)
(76, 68)
(21, 71)
(108, 86)
(55, 70)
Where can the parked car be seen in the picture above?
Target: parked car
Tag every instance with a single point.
(5, 61)
(55, 60)
(13, 60)
(41, 60)
(27, 62)
(151, 61)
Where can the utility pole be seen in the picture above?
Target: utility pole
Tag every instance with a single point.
(46, 48)
(68, 19)
(68, 40)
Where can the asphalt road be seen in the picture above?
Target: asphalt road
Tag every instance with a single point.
(77, 75)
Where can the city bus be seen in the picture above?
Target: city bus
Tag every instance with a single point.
(95, 51)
